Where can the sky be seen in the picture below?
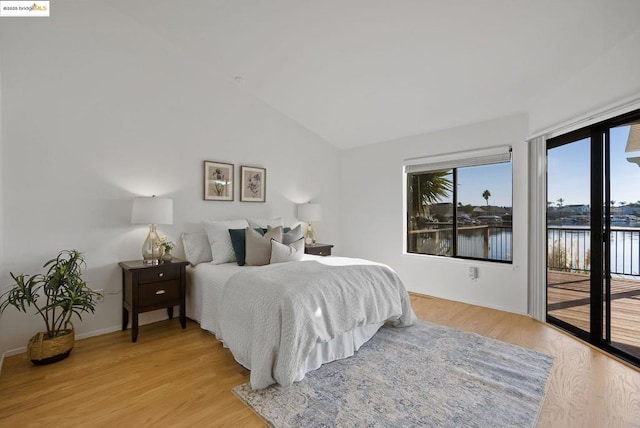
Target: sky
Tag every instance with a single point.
(568, 176)
(473, 181)
(569, 172)
(496, 178)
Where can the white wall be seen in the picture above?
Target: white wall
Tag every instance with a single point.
(96, 111)
(372, 202)
(609, 79)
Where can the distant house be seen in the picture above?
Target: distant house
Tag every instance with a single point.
(575, 209)
(629, 210)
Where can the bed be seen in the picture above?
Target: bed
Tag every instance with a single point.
(282, 321)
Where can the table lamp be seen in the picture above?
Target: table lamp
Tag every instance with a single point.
(308, 213)
(152, 211)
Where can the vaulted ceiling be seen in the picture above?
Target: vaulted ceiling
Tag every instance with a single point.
(357, 72)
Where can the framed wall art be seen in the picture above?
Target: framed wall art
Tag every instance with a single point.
(253, 184)
(218, 181)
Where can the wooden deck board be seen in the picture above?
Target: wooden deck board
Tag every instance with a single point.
(569, 295)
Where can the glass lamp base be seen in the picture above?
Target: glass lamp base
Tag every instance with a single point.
(310, 235)
(151, 247)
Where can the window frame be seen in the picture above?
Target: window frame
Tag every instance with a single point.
(463, 159)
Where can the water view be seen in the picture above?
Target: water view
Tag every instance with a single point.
(569, 249)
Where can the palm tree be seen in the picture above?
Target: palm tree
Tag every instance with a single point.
(486, 195)
(428, 188)
(560, 201)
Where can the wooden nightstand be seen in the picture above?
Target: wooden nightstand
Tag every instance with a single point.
(318, 249)
(147, 288)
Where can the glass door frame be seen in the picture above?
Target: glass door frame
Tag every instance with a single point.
(552, 143)
(600, 233)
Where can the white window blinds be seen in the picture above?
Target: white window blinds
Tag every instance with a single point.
(478, 157)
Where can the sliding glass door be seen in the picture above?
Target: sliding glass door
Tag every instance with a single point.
(568, 233)
(622, 285)
(593, 234)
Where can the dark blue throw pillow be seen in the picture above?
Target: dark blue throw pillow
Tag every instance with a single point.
(239, 245)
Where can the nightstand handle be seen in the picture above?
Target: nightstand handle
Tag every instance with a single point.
(160, 292)
(161, 274)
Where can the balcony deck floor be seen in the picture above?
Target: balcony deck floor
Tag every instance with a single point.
(568, 300)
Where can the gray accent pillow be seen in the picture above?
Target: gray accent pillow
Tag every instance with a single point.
(258, 247)
(196, 248)
(281, 253)
(264, 223)
(292, 235)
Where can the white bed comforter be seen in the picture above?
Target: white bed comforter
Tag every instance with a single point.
(272, 317)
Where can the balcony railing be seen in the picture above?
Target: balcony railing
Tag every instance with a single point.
(489, 242)
(569, 250)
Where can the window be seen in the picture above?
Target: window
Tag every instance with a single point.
(475, 189)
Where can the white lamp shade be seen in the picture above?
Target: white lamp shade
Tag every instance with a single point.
(152, 211)
(309, 212)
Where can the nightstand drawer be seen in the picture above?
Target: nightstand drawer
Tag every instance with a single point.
(319, 249)
(159, 294)
(159, 274)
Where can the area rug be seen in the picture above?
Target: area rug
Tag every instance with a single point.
(423, 375)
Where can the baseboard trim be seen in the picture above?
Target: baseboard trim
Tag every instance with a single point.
(23, 349)
(17, 351)
(99, 332)
(146, 318)
(470, 302)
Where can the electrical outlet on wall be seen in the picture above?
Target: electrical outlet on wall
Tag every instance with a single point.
(473, 272)
(99, 295)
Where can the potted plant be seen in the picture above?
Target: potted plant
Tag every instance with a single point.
(64, 292)
(166, 247)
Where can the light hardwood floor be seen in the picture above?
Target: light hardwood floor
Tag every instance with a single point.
(175, 377)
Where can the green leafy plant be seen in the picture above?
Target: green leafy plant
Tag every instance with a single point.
(64, 292)
(428, 188)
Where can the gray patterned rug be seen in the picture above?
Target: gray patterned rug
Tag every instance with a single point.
(424, 375)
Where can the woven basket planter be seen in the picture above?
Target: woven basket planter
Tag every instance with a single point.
(43, 350)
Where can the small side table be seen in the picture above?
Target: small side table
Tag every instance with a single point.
(318, 249)
(151, 287)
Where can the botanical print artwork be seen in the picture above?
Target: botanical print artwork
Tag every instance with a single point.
(218, 181)
(253, 184)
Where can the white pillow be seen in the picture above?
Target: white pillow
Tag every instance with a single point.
(261, 223)
(196, 247)
(220, 241)
(281, 253)
(258, 251)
